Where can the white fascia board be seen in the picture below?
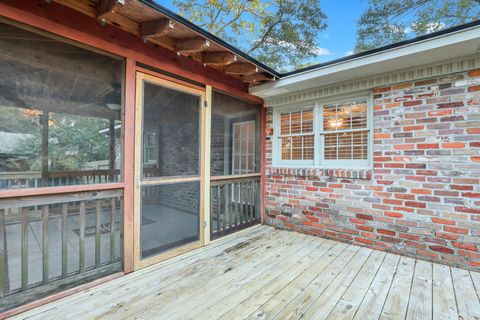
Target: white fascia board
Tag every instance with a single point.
(439, 48)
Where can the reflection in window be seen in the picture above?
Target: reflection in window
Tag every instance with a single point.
(60, 113)
(235, 142)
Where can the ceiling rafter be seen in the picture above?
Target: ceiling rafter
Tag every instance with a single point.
(218, 58)
(241, 68)
(155, 28)
(107, 7)
(190, 45)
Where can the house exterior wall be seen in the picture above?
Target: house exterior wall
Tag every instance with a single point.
(422, 196)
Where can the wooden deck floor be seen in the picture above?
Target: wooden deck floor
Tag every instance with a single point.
(262, 273)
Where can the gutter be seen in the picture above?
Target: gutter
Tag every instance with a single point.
(385, 48)
(174, 16)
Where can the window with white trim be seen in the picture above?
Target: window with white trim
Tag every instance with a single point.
(243, 147)
(297, 135)
(330, 135)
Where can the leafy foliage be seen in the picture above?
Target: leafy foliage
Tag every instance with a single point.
(72, 141)
(389, 21)
(280, 33)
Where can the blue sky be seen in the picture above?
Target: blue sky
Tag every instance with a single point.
(339, 37)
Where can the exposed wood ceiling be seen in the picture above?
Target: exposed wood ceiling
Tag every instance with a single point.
(153, 26)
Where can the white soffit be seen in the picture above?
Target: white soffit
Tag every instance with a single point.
(409, 56)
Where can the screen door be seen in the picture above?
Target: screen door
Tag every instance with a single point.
(168, 139)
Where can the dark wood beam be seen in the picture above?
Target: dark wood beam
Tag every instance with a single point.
(155, 28)
(257, 77)
(218, 58)
(241, 69)
(106, 7)
(194, 44)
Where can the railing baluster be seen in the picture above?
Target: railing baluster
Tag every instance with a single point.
(82, 237)
(3, 251)
(243, 201)
(257, 200)
(64, 239)
(237, 207)
(219, 207)
(231, 203)
(249, 201)
(98, 221)
(45, 213)
(24, 243)
(238, 204)
(112, 229)
(252, 201)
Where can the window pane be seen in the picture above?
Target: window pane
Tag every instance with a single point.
(307, 121)
(296, 122)
(346, 145)
(297, 148)
(345, 116)
(296, 144)
(235, 138)
(286, 148)
(172, 119)
(285, 123)
(359, 115)
(60, 113)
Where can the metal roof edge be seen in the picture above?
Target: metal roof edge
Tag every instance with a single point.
(210, 36)
(386, 48)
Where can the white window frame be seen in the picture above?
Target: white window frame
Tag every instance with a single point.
(148, 148)
(277, 146)
(236, 126)
(319, 141)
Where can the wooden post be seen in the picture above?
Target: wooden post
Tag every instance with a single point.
(206, 163)
(263, 152)
(128, 165)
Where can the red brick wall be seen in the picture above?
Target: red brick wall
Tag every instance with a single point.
(423, 196)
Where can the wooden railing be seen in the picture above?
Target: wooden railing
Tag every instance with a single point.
(235, 204)
(54, 242)
(34, 179)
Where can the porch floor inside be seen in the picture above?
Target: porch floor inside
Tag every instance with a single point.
(263, 273)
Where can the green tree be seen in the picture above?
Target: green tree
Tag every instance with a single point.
(389, 21)
(72, 141)
(279, 33)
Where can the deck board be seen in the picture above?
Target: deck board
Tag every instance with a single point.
(262, 273)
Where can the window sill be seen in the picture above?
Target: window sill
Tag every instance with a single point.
(352, 173)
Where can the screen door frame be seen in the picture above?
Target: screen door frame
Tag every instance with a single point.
(202, 177)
